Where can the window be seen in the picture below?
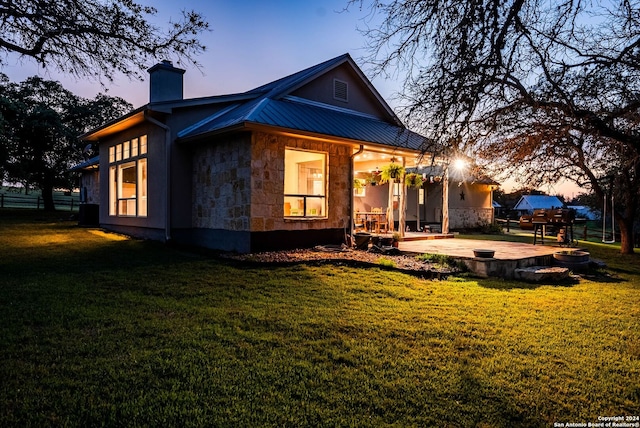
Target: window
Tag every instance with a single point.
(128, 178)
(305, 184)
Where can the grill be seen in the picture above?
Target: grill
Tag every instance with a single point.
(562, 219)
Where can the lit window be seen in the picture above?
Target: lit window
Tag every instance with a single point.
(142, 187)
(134, 147)
(143, 145)
(128, 179)
(305, 183)
(126, 153)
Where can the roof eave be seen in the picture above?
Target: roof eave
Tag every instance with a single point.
(130, 119)
(253, 126)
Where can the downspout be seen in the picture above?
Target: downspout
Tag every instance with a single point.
(167, 133)
(351, 198)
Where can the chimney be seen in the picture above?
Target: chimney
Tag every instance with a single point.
(165, 82)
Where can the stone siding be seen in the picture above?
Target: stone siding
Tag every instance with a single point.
(238, 184)
(267, 166)
(467, 218)
(221, 184)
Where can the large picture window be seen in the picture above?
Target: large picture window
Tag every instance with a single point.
(305, 183)
(128, 178)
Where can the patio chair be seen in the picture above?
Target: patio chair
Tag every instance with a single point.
(379, 220)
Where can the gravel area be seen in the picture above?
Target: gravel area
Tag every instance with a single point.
(347, 256)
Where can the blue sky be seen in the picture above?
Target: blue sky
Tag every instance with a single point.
(251, 42)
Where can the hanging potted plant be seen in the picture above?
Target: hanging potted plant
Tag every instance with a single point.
(391, 173)
(413, 180)
(373, 179)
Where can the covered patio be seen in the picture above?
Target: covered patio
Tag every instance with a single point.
(418, 200)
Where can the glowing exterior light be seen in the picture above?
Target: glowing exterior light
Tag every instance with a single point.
(459, 164)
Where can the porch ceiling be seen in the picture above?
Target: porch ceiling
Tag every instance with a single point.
(376, 158)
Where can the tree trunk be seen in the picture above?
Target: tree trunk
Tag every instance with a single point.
(626, 235)
(47, 197)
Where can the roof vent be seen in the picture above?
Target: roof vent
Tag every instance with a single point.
(340, 90)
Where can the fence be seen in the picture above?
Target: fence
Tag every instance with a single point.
(36, 201)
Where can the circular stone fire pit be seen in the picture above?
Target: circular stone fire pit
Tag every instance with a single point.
(576, 260)
(483, 254)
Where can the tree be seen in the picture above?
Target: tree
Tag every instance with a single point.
(95, 38)
(40, 124)
(538, 89)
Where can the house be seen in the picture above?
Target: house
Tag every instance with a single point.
(528, 203)
(271, 168)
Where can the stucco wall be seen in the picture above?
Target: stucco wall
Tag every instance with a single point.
(156, 184)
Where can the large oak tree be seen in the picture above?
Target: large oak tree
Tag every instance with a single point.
(538, 89)
(39, 126)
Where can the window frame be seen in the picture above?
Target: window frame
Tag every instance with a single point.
(128, 201)
(299, 205)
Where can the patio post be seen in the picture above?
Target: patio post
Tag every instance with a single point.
(445, 199)
(402, 207)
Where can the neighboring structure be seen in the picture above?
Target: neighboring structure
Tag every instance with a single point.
(271, 168)
(528, 203)
(89, 183)
(585, 212)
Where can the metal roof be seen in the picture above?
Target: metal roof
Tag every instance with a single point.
(536, 202)
(299, 115)
(273, 105)
(88, 164)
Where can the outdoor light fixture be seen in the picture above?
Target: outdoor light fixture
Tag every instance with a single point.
(459, 164)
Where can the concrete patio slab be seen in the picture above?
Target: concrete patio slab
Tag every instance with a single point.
(508, 256)
(463, 248)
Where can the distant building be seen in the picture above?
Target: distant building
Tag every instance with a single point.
(585, 212)
(528, 203)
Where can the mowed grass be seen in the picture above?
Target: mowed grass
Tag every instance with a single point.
(97, 330)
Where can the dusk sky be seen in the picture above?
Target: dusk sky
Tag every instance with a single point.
(251, 42)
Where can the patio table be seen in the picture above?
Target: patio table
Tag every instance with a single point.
(371, 220)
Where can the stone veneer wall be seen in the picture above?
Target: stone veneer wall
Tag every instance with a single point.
(267, 180)
(222, 184)
(238, 184)
(462, 218)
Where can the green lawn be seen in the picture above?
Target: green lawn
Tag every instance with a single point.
(100, 330)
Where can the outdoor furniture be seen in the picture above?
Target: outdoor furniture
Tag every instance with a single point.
(379, 220)
(372, 221)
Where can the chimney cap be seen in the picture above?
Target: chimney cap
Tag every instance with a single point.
(166, 65)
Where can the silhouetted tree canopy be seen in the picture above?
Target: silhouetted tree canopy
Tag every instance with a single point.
(540, 90)
(95, 38)
(39, 126)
